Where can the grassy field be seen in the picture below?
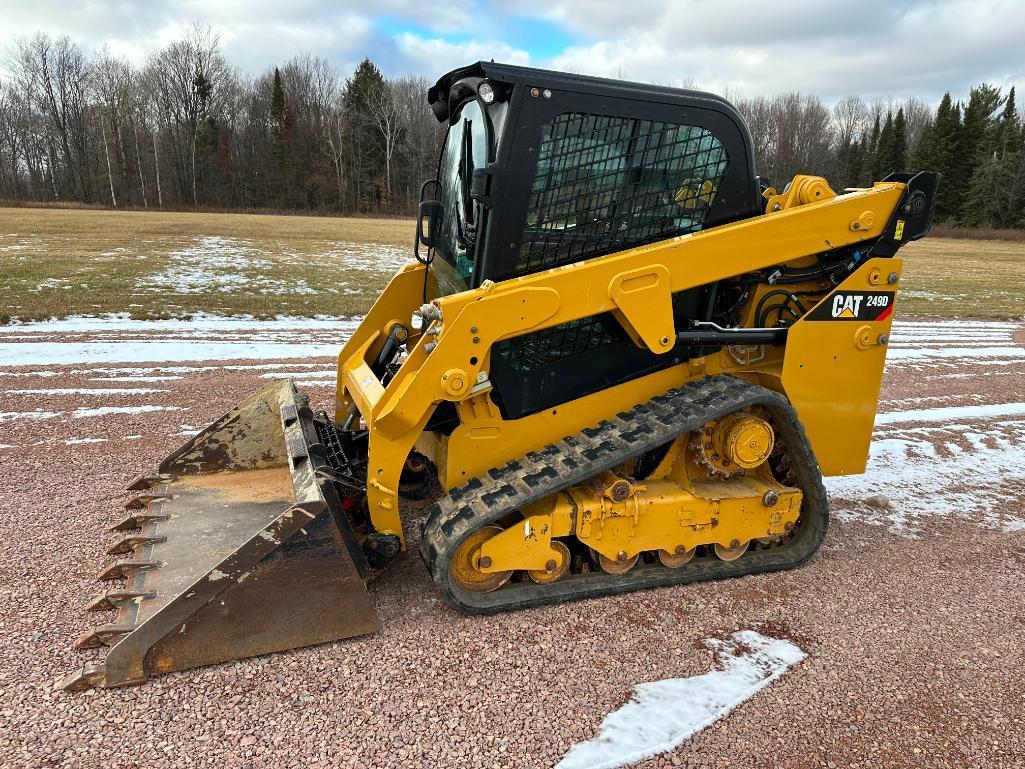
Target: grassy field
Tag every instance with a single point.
(954, 278)
(58, 262)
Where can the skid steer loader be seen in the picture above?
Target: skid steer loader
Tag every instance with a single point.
(621, 358)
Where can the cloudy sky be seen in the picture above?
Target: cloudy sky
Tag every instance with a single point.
(877, 48)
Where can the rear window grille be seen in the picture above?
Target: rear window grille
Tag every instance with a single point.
(604, 184)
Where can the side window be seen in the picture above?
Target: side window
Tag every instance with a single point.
(466, 148)
(604, 184)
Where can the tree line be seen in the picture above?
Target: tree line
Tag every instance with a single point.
(190, 130)
(187, 129)
(978, 145)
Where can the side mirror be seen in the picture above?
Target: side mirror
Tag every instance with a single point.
(428, 223)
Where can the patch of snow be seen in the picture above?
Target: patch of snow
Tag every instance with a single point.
(88, 391)
(166, 378)
(79, 324)
(948, 413)
(905, 354)
(189, 369)
(231, 265)
(41, 374)
(49, 283)
(213, 263)
(67, 353)
(9, 416)
(119, 339)
(77, 441)
(298, 374)
(103, 411)
(662, 714)
(7, 446)
(952, 471)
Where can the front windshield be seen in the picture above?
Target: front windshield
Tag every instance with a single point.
(466, 148)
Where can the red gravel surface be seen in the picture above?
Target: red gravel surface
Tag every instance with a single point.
(915, 643)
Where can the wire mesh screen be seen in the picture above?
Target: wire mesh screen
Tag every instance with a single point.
(542, 348)
(566, 340)
(605, 183)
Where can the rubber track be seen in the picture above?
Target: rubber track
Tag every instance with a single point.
(489, 498)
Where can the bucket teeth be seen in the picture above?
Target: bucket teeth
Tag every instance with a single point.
(136, 521)
(129, 543)
(146, 481)
(82, 679)
(255, 556)
(112, 599)
(124, 568)
(142, 501)
(102, 635)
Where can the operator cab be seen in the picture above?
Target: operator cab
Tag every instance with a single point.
(588, 167)
(541, 169)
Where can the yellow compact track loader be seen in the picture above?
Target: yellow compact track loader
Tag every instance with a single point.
(620, 359)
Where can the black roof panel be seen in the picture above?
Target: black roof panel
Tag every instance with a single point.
(437, 96)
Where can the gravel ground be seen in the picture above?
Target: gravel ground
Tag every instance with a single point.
(914, 642)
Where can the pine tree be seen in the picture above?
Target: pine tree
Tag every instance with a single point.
(362, 92)
(1008, 134)
(899, 153)
(871, 149)
(279, 140)
(974, 144)
(883, 162)
(852, 171)
(996, 194)
(936, 152)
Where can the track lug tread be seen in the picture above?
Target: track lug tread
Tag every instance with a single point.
(487, 499)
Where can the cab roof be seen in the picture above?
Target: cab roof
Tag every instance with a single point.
(438, 95)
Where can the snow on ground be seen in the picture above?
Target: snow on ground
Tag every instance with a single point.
(104, 411)
(949, 470)
(961, 462)
(929, 354)
(117, 339)
(662, 714)
(298, 374)
(9, 416)
(65, 353)
(83, 413)
(199, 324)
(95, 391)
(950, 413)
(926, 448)
(212, 264)
(167, 378)
(926, 344)
(232, 265)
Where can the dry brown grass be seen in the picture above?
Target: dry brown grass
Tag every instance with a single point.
(954, 278)
(58, 262)
(976, 233)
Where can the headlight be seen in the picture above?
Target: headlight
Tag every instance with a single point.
(486, 92)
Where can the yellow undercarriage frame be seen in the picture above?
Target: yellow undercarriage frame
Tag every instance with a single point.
(691, 498)
(829, 371)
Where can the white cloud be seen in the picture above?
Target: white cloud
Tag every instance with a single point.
(876, 48)
(435, 56)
